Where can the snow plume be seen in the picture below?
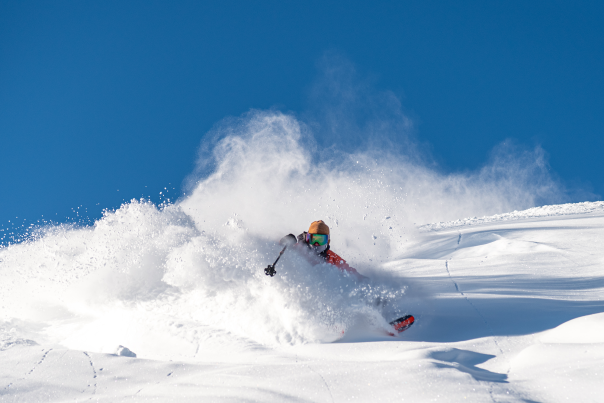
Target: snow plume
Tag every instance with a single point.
(270, 178)
(165, 285)
(186, 279)
(178, 275)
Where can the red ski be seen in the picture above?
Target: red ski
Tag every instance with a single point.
(403, 323)
(400, 325)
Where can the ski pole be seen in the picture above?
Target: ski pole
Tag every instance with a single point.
(270, 269)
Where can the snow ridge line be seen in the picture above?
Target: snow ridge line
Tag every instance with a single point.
(535, 212)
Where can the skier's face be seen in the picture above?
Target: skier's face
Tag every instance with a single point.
(318, 242)
(317, 239)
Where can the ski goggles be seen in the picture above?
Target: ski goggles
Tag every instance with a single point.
(321, 239)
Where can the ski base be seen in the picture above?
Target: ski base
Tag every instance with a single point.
(403, 323)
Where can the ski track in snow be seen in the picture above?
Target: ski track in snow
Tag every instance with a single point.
(489, 386)
(39, 362)
(322, 379)
(6, 389)
(94, 375)
(486, 322)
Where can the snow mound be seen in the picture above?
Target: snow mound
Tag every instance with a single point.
(565, 364)
(535, 212)
(125, 352)
(584, 330)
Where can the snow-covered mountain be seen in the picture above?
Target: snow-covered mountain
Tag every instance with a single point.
(507, 310)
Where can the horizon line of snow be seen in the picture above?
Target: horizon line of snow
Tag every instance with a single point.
(534, 212)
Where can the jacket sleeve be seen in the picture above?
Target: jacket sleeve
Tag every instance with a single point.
(288, 240)
(337, 261)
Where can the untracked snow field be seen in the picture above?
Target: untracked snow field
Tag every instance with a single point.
(508, 309)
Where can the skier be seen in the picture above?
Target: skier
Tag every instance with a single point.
(317, 240)
(316, 243)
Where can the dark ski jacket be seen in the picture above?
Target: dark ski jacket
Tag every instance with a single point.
(327, 255)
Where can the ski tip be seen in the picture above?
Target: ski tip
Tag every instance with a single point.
(403, 323)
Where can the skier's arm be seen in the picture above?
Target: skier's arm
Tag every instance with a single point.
(352, 270)
(288, 240)
(337, 261)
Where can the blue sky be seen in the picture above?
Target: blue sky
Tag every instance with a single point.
(102, 102)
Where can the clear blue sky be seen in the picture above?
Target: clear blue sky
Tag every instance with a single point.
(97, 96)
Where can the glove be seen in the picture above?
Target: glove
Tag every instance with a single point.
(288, 240)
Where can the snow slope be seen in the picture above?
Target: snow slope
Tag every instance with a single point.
(506, 311)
